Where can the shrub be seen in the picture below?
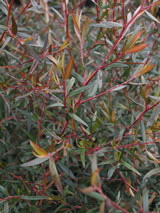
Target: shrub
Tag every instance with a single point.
(79, 91)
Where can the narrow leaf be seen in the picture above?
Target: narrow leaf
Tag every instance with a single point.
(107, 162)
(119, 88)
(78, 119)
(41, 152)
(110, 172)
(55, 61)
(107, 24)
(130, 167)
(14, 26)
(66, 170)
(64, 45)
(35, 162)
(55, 175)
(6, 207)
(144, 70)
(79, 90)
(151, 173)
(102, 207)
(87, 190)
(70, 84)
(95, 195)
(76, 27)
(33, 197)
(152, 17)
(31, 52)
(68, 69)
(132, 39)
(58, 104)
(153, 157)
(83, 157)
(154, 115)
(145, 200)
(85, 28)
(137, 48)
(143, 131)
(95, 180)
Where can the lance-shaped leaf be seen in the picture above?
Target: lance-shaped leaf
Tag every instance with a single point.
(87, 189)
(38, 151)
(55, 175)
(14, 26)
(136, 48)
(102, 207)
(90, 191)
(85, 28)
(77, 118)
(68, 69)
(151, 173)
(25, 197)
(35, 162)
(55, 61)
(152, 17)
(156, 161)
(132, 40)
(76, 21)
(107, 24)
(144, 70)
(154, 115)
(130, 167)
(79, 90)
(96, 195)
(95, 179)
(31, 52)
(64, 45)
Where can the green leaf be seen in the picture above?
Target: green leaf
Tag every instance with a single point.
(110, 172)
(2, 189)
(145, 200)
(35, 162)
(7, 40)
(66, 170)
(79, 90)
(55, 105)
(107, 24)
(78, 119)
(119, 88)
(25, 197)
(31, 52)
(154, 115)
(77, 76)
(70, 84)
(152, 17)
(31, 137)
(29, 115)
(151, 173)
(95, 195)
(55, 175)
(83, 157)
(143, 132)
(117, 65)
(130, 167)
(107, 162)
(6, 207)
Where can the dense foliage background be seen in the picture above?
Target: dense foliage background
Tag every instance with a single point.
(79, 106)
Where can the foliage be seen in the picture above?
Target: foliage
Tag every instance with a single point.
(79, 106)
